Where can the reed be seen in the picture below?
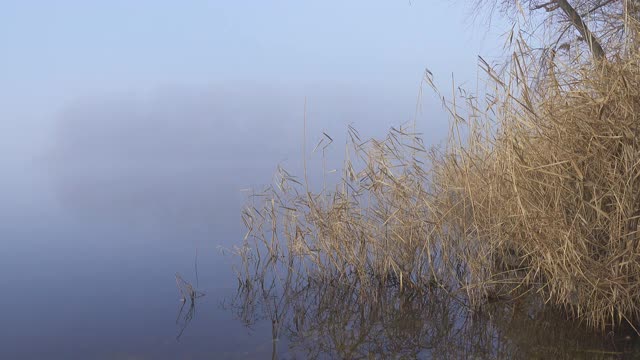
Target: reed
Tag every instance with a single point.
(547, 199)
(536, 193)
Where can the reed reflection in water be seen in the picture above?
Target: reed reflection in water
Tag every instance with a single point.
(321, 317)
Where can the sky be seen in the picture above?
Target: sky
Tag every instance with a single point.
(108, 86)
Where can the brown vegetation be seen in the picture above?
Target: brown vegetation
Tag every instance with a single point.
(550, 200)
(537, 193)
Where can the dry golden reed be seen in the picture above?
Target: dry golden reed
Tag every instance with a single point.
(551, 197)
(536, 193)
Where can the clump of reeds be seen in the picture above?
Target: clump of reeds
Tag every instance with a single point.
(373, 226)
(543, 189)
(537, 192)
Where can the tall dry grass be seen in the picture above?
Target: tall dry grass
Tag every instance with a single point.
(547, 199)
(537, 193)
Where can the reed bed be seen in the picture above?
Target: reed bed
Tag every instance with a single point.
(536, 193)
(548, 198)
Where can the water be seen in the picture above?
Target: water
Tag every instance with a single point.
(94, 234)
(87, 286)
(83, 285)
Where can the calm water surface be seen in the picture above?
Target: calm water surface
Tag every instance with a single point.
(81, 283)
(93, 236)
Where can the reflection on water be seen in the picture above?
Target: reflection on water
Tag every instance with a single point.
(188, 296)
(323, 317)
(184, 317)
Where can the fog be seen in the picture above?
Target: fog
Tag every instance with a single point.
(155, 110)
(184, 156)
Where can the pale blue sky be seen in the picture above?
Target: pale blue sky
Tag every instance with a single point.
(56, 51)
(356, 61)
(120, 43)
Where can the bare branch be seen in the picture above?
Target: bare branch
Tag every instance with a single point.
(596, 48)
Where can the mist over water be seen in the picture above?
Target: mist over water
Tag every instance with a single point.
(130, 129)
(123, 191)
